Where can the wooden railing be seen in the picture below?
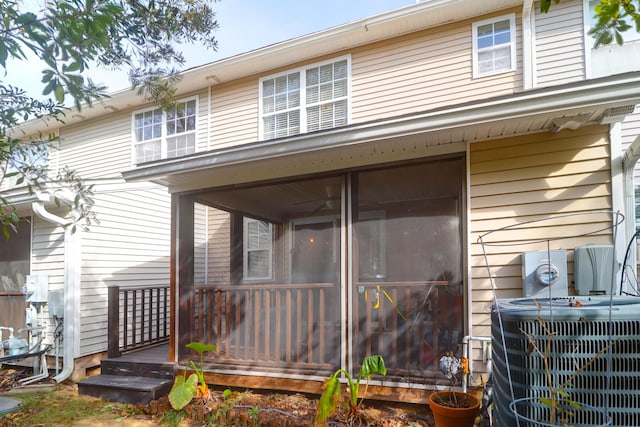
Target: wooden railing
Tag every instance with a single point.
(138, 317)
(404, 322)
(294, 326)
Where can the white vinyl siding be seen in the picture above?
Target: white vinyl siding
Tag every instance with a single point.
(305, 100)
(494, 46)
(532, 177)
(219, 249)
(130, 247)
(161, 134)
(559, 44)
(99, 149)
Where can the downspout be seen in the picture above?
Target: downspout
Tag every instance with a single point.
(70, 296)
(527, 45)
(629, 160)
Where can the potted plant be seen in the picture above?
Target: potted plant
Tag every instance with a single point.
(453, 408)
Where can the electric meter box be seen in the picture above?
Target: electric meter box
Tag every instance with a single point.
(544, 274)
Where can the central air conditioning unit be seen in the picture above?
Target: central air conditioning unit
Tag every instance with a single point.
(580, 327)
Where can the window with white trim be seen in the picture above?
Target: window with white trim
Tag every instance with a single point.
(258, 249)
(163, 134)
(494, 46)
(312, 98)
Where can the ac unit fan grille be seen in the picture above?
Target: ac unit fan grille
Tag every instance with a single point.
(610, 381)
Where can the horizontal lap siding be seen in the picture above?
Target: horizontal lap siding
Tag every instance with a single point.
(559, 44)
(98, 149)
(130, 247)
(533, 177)
(426, 70)
(234, 113)
(219, 259)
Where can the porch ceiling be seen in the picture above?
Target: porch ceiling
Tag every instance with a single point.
(429, 133)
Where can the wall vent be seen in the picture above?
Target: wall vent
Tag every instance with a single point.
(612, 380)
(616, 114)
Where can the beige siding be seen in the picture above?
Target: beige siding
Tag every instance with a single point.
(559, 44)
(200, 243)
(533, 177)
(234, 113)
(130, 247)
(423, 71)
(219, 260)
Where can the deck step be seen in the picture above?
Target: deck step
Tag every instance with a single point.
(125, 388)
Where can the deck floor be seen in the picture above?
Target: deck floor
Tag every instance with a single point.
(156, 354)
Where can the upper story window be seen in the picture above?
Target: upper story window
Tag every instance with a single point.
(308, 99)
(162, 134)
(26, 164)
(258, 243)
(494, 46)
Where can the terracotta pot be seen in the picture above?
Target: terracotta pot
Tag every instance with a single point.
(447, 416)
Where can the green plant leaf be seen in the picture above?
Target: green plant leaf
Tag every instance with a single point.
(371, 365)
(201, 347)
(183, 391)
(328, 400)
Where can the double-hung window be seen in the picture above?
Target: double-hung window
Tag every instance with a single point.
(308, 99)
(258, 244)
(494, 46)
(162, 134)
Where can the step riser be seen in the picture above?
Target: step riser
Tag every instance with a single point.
(125, 389)
(122, 396)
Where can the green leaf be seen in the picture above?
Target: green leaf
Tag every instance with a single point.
(200, 347)
(328, 401)
(183, 391)
(59, 92)
(371, 365)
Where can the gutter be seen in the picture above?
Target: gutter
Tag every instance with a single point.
(601, 93)
(70, 294)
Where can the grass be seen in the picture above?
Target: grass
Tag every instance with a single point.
(64, 407)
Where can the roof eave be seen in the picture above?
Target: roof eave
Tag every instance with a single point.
(559, 100)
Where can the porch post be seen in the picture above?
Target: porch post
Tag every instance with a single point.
(182, 268)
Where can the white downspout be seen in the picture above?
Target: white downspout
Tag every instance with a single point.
(629, 160)
(527, 45)
(70, 294)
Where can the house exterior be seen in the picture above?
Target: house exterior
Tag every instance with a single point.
(326, 194)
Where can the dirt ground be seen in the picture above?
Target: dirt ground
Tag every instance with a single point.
(61, 405)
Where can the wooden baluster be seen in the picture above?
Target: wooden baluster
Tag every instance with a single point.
(394, 327)
(298, 324)
(322, 326)
(310, 323)
(227, 324)
(256, 326)
(288, 339)
(278, 330)
(267, 325)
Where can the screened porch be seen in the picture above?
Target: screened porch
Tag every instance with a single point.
(301, 277)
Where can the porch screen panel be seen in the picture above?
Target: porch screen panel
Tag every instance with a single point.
(408, 287)
(279, 250)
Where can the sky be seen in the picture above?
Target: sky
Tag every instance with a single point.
(244, 25)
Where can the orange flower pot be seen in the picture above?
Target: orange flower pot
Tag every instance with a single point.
(449, 416)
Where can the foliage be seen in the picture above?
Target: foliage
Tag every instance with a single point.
(330, 397)
(186, 388)
(613, 17)
(68, 37)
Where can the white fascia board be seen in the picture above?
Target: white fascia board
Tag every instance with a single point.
(603, 92)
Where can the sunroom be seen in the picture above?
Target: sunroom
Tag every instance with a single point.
(299, 277)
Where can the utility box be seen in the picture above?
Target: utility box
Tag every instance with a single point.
(593, 269)
(56, 303)
(544, 274)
